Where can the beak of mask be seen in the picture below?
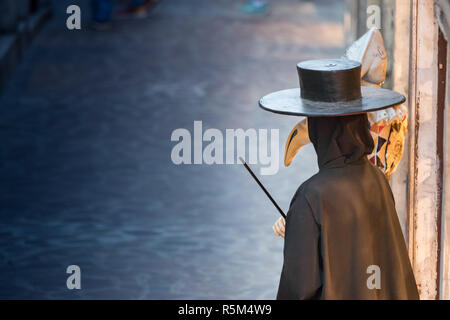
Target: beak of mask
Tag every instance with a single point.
(296, 140)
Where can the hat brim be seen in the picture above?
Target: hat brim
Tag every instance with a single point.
(289, 102)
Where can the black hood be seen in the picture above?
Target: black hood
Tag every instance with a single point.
(340, 140)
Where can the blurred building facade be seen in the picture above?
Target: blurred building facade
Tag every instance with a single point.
(416, 34)
(19, 22)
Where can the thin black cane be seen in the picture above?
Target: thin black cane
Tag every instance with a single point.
(262, 187)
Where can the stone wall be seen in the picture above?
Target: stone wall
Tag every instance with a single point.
(442, 13)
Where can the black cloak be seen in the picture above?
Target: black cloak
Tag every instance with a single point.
(342, 224)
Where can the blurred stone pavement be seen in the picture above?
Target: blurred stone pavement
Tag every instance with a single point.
(85, 167)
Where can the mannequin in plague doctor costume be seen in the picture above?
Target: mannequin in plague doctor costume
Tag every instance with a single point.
(342, 236)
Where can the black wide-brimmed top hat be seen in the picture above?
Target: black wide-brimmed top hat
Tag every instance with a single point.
(330, 87)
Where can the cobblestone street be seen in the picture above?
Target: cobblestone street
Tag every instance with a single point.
(85, 158)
